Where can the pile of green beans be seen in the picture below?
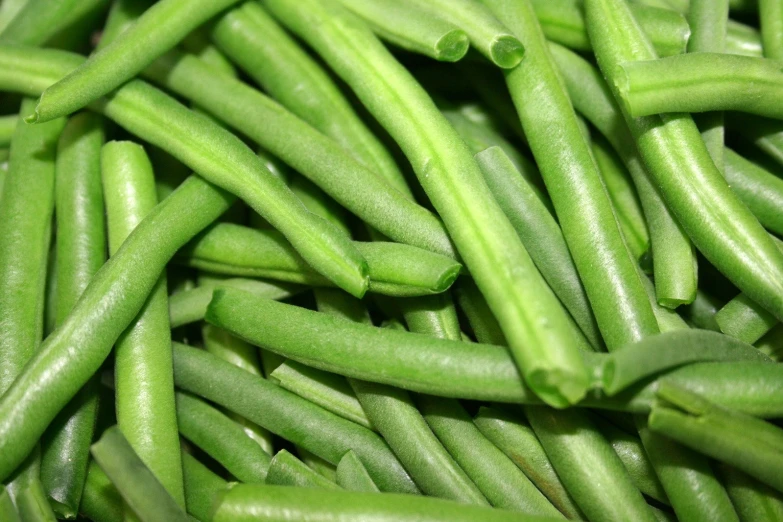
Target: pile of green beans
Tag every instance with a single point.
(374, 260)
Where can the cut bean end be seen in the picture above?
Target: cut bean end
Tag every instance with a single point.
(557, 388)
(452, 46)
(507, 51)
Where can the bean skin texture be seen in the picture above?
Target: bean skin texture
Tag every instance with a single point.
(270, 503)
(484, 238)
(759, 189)
(287, 470)
(752, 499)
(81, 251)
(721, 227)
(352, 475)
(618, 300)
(271, 407)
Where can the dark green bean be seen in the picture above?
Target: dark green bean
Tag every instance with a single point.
(287, 470)
(221, 438)
(484, 237)
(753, 500)
(393, 268)
(701, 312)
(32, 504)
(270, 407)
(750, 444)
(101, 502)
(135, 482)
(772, 343)
(353, 476)
(771, 21)
(744, 319)
(719, 224)
(758, 188)
(674, 260)
(765, 133)
(617, 298)
(7, 508)
(81, 251)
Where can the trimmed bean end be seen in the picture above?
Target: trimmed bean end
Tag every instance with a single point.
(507, 51)
(452, 46)
(557, 388)
(447, 279)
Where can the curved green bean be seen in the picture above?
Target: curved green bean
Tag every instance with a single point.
(287, 470)
(452, 180)
(674, 259)
(135, 482)
(268, 503)
(759, 189)
(100, 316)
(752, 499)
(563, 21)
(541, 236)
(750, 444)
(81, 251)
(353, 476)
(406, 25)
(202, 487)
(588, 466)
(145, 405)
(618, 300)
(270, 407)
(744, 319)
(157, 30)
(39, 20)
(771, 21)
(701, 82)
(721, 227)
(252, 39)
(221, 438)
(503, 484)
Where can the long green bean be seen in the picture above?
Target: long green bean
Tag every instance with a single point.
(484, 325)
(100, 501)
(270, 407)
(674, 260)
(145, 405)
(353, 476)
(287, 470)
(758, 188)
(81, 251)
(434, 315)
(771, 21)
(724, 230)
(743, 39)
(484, 237)
(752, 499)
(744, 319)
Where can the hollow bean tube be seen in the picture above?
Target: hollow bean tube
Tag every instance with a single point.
(81, 251)
(271, 407)
(702, 82)
(199, 142)
(721, 227)
(619, 302)
(142, 369)
(674, 259)
(252, 39)
(771, 21)
(353, 476)
(454, 184)
(156, 31)
(108, 305)
(245, 503)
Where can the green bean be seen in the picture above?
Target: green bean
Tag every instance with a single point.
(516, 439)
(221, 438)
(99, 317)
(701, 313)
(156, 31)
(7, 508)
(100, 501)
(197, 141)
(541, 236)
(189, 306)
(752, 499)
(724, 230)
(674, 260)
(633, 456)
(742, 39)
(771, 21)
(253, 40)
(744, 319)
(434, 315)
(198, 43)
(668, 350)
(563, 21)
(758, 188)
(690, 483)
(317, 464)
(145, 405)
(287, 470)
(7, 127)
(588, 466)
(270, 407)
(484, 325)
(701, 82)
(325, 389)
(772, 343)
(38, 20)
(32, 504)
(319, 203)
(452, 180)
(202, 487)
(708, 20)
(81, 251)
(504, 485)
(750, 444)
(353, 476)
(251, 112)
(625, 201)
(136, 483)
(393, 268)
(122, 15)
(406, 25)
(618, 300)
